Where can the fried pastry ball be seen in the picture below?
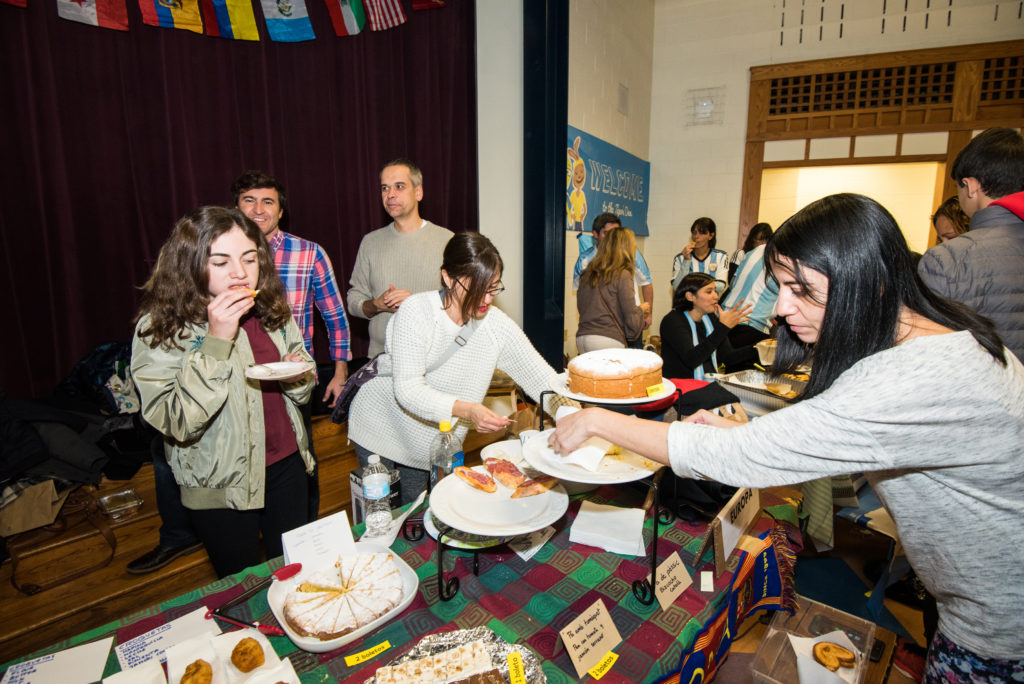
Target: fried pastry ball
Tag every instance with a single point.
(247, 655)
(198, 672)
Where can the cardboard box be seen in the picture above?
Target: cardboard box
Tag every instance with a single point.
(775, 660)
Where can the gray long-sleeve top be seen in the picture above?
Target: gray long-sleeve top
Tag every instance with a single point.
(938, 426)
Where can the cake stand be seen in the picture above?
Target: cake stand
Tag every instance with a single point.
(456, 507)
(643, 589)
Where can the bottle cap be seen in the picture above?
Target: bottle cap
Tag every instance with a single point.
(445, 426)
(373, 459)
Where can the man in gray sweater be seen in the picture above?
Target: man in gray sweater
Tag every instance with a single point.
(983, 267)
(399, 259)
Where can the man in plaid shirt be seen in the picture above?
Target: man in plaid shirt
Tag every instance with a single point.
(304, 268)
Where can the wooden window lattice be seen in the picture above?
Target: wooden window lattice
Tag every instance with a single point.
(1003, 80)
(891, 87)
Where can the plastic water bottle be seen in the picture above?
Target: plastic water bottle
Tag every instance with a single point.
(445, 453)
(376, 487)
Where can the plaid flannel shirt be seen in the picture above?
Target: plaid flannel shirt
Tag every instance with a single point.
(308, 279)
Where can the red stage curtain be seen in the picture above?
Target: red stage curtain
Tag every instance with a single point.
(109, 137)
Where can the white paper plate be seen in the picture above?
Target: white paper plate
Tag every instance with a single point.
(625, 467)
(181, 655)
(279, 591)
(224, 644)
(561, 385)
(494, 514)
(279, 370)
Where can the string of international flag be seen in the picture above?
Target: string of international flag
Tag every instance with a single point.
(286, 20)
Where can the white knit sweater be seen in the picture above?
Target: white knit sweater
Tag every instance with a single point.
(396, 414)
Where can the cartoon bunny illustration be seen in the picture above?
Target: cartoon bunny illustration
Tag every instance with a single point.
(577, 198)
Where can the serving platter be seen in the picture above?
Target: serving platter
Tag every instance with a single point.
(279, 590)
(457, 539)
(560, 384)
(619, 468)
(495, 514)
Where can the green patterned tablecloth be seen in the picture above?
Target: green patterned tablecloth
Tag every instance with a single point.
(525, 602)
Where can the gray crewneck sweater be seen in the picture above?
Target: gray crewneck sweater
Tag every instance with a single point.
(938, 427)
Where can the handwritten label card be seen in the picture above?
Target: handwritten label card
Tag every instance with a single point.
(319, 543)
(152, 644)
(78, 665)
(672, 580)
(590, 637)
(737, 515)
(528, 545)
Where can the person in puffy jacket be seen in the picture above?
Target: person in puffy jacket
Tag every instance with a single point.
(213, 308)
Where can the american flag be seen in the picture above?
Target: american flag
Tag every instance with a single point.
(384, 14)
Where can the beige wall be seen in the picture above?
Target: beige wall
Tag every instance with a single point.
(611, 46)
(499, 58)
(693, 46)
(906, 190)
(711, 45)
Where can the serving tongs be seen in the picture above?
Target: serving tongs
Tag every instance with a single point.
(221, 611)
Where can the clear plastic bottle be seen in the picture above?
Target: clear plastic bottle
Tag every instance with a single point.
(376, 487)
(445, 453)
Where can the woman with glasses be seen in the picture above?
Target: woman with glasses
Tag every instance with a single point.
(441, 350)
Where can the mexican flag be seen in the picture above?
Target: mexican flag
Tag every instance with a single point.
(348, 16)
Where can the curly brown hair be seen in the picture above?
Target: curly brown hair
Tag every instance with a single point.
(950, 208)
(177, 292)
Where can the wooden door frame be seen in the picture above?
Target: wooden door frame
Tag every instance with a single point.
(956, 90)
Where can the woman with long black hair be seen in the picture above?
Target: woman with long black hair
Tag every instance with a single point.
(916, 391)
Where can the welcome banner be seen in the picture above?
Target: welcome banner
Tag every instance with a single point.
(602, 178)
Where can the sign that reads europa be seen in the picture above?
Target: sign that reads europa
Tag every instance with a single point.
(602, 178)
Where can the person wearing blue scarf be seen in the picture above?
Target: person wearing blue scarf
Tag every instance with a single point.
(695, 334)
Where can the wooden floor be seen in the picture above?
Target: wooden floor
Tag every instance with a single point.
(31, 623)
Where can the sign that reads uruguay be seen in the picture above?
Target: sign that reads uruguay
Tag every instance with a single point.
(601, 178)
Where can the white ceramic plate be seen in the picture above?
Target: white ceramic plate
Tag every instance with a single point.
(279, 370)
(494, 514)
(625, 467)
(510, 450)
(458, 539)
(279, 591)
(561, 385)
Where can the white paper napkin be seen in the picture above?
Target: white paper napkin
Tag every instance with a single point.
(810, 670)
(587, 455)
(612, 528)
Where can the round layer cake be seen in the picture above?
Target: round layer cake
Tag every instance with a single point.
(614, 373)
(353, 593)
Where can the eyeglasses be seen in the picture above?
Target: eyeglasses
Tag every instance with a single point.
(494, 291)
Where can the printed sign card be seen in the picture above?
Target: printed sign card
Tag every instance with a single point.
(590, 637)
(319, 543)
(672, 580)
(737, 515)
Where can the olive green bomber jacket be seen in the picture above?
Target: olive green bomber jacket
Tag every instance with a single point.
(211, 415)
